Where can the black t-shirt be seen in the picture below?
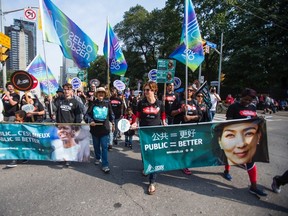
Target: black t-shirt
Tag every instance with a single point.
(169, 100)
(38, 106)
(116, 104)
(238, 111)
(10, 110)
(90, 95)
(193, 109)
(150, 114)
(67, 110)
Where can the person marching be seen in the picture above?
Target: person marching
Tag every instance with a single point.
(129, 115)
(169, 99)
(187, 112)
(150, 112)
(241, 110)
(98, 115)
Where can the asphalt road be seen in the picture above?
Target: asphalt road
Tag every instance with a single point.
(47, 188)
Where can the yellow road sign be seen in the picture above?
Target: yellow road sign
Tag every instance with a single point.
(5, 40)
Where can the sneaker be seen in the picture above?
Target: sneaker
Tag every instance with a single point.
(115, 142)
(67, 164)
(110, 147)
(227, 176)
(24, 161)
(106, 169)
(130, 146)
(257, 191)
(12, 164)
(97, 162)
(186, 171)
(275, 187)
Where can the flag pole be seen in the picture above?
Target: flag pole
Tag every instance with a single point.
(186, 41)
(44, 51)
(108, 55)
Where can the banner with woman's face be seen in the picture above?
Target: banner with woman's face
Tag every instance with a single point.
(204, 144)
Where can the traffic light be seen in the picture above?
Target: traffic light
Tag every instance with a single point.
(222, 77)
(3, 55)
(205, 47)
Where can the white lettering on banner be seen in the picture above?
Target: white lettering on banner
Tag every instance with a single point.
(6, 139)
(30, 139)
(7, 133)
(193, 142)
(184, 134)
(159, 167)
(79, 47)
(160, 136)
(37, 135)
(156, 146)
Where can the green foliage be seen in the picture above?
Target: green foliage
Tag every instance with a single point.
(255, 42)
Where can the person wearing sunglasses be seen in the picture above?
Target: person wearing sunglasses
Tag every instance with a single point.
(203, 107)
(150, 112)
(187, 112)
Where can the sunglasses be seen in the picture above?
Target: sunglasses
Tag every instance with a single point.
(190, 90)
(200, 96)
(148, 90)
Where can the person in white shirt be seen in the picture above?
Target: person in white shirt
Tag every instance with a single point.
(215, 98)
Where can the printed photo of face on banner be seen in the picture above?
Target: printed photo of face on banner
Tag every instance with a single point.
(240, 142)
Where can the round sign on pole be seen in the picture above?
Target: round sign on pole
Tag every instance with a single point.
(152, 75)
(22, 81)
(96, 82)
(123, 125)
(177, 82)
(76, 83)
(119, 85)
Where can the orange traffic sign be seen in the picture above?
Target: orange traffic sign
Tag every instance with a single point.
(5, 40)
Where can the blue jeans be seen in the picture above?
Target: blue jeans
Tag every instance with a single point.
(128, 139)
(212, 114)
(116, 131)
(101, 153)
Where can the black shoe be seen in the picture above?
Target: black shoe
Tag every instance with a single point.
(275, 187)
(257, 191)
(130, 146)
(110, 147)
(24, 161)
(115, 142)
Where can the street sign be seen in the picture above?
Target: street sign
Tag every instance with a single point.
(30, 14)
(5, 40)
(212, 45)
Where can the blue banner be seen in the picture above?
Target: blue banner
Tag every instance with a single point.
(64, 142)
(205, 144)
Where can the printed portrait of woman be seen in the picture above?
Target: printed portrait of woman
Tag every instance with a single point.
(73, 144)
(241, 140)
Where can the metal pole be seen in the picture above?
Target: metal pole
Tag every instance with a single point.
(200, 70)
(3, 64)
(220, 64)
